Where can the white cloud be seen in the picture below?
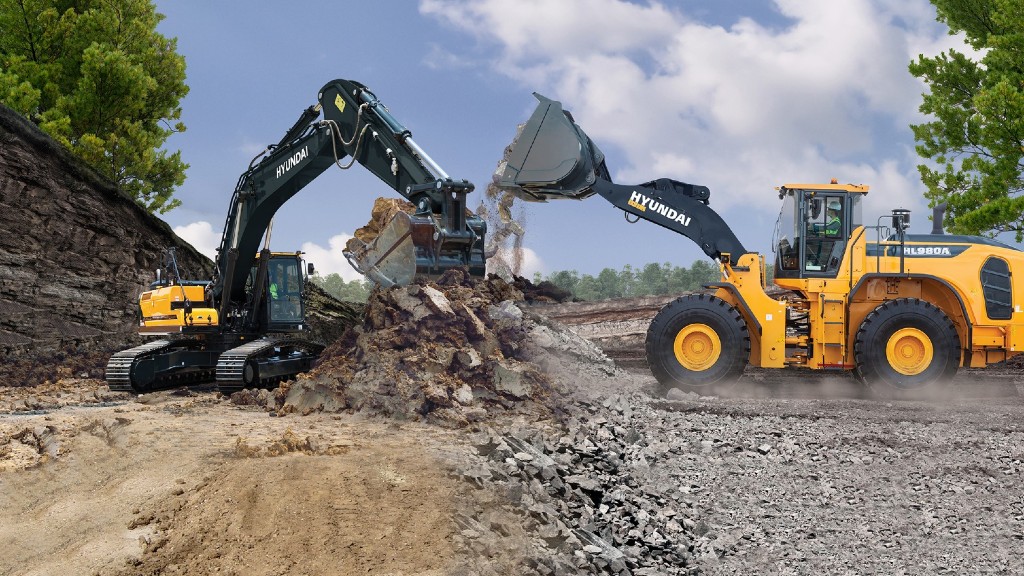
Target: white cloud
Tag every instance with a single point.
(330, 260)
(251, 149)
(201, 236)
(438, 58)
(740, 109)
(531, 263)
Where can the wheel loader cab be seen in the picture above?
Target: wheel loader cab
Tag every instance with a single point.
(814, 228)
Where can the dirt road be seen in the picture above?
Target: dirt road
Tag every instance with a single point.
(191, 484)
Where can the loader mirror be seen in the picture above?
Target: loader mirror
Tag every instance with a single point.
(900, 219)
(309, 269)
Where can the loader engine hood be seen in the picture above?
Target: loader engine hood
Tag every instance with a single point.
(551, 157)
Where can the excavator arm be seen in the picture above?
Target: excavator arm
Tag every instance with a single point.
(349, 122)
(442, 234)
(553, 158)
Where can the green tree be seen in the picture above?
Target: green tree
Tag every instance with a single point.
(609, 284)
(97, 76)
(335, 285)
(680, 279)
(565, 279)
(976, 141)
(702, 273)
(587, 289)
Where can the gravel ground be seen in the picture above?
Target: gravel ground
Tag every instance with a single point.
(803, 484)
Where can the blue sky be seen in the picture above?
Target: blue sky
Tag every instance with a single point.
(741, 96)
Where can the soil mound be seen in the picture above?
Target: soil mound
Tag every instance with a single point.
(454, 351)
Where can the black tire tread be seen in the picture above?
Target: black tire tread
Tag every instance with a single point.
(871, 365)
(671, 319)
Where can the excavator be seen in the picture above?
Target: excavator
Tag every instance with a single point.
(902, 312)
(246, 326)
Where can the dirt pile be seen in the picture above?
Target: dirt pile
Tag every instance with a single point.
(383, 211)
(453, 351)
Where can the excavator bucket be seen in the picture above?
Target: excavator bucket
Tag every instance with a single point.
(411, 245)
(551, 157)
(390, 258)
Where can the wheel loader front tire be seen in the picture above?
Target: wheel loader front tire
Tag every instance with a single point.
(906, 348)
(698, 343)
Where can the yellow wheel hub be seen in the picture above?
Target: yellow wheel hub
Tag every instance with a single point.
(697, 347)
(909, 351)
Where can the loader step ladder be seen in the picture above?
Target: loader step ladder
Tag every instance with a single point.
(832, 334)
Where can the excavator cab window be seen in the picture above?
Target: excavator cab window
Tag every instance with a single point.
(284, 291)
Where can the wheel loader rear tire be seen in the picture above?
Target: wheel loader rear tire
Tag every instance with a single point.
(698, 343)
(905, 349)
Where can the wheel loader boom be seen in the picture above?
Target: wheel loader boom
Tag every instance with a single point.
(552, 158)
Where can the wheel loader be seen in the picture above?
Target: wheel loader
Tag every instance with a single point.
(901, 311)
(246, 326)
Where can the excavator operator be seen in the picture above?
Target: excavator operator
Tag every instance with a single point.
(276, 277)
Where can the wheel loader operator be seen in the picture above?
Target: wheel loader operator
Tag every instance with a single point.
(833, 223)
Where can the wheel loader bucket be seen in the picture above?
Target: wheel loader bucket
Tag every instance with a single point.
(551, 157)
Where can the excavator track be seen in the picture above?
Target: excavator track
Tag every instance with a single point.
(264, 362)
(158, 365)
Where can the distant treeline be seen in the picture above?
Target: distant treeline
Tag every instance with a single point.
(651, 280)
(335, 285)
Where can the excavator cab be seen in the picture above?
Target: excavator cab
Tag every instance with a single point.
(278, 282)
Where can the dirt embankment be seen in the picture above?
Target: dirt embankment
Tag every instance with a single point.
(75, 255)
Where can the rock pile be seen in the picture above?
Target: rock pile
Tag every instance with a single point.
(454, 351)
(587, 496)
